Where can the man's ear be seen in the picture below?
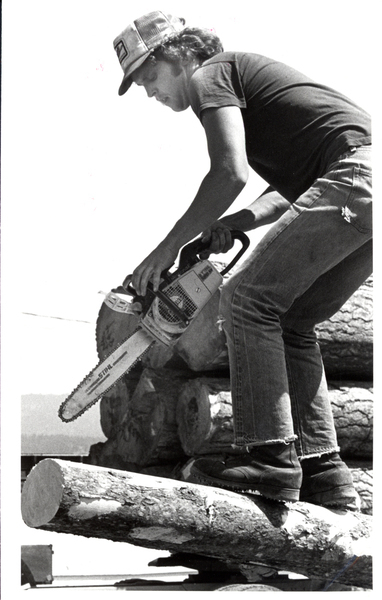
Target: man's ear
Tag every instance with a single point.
(177, 68)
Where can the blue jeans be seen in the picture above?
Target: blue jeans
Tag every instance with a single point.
(301, 273)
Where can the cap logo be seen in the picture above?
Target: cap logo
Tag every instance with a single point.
(121, 50)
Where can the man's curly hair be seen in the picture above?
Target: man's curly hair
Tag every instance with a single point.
(192, 43)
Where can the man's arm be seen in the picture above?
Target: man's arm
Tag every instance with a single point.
(226, 178)
(266, 209)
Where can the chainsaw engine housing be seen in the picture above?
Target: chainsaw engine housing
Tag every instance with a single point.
(190, 292)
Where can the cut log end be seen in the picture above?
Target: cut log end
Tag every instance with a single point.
(193, 415)
(42, 493)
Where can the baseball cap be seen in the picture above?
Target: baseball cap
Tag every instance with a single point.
(139, 39)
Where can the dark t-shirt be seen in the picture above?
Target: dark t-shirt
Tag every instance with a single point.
(294, 127)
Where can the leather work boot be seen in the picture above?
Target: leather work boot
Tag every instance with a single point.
(273, 470)
(327, 481)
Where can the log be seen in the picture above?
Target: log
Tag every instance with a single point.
(352, 404)
(184, 517)
(107, 454)
(205, 421)
(203, 345)
(346, 339)
(204, 416)
(362, 474)
(148, 430)
(114, 405)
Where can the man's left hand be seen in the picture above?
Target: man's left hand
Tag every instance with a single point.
(219, 238)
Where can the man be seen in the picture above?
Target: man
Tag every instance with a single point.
(312, 147)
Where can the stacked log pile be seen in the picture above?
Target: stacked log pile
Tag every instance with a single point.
(176, 404)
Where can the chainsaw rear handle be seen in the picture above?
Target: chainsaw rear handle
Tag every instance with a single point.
(188, 255)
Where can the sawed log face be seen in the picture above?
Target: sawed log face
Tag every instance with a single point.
(183, 517)
(205, 419)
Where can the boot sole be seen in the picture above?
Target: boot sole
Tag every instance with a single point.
(339, 497)
(273, 493)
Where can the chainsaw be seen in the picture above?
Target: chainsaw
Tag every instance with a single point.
(164, 315)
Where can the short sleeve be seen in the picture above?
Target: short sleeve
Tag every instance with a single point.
(215, 85)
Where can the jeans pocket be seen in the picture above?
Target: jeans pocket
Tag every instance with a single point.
(358, 209)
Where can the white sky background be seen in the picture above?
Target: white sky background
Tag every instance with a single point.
(91, 182)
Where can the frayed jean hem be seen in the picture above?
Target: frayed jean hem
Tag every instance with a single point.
(320, 453)
(240, 444)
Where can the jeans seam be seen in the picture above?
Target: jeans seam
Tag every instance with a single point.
(294, 405)
(348, 205)
(238, 408)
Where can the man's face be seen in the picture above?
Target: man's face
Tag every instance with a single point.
(160, 80)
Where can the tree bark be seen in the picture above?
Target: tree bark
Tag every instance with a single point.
(205, 420)
(352, 404)
(183, 517)
(362, 474)
(346, 339)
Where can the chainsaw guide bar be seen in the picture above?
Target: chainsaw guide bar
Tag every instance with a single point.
(105, 375)
(165, 316)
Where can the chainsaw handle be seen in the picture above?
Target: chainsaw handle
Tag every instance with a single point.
(188, 255)
(127, 288)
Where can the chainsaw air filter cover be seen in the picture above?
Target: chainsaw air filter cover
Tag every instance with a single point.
(189, 292)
